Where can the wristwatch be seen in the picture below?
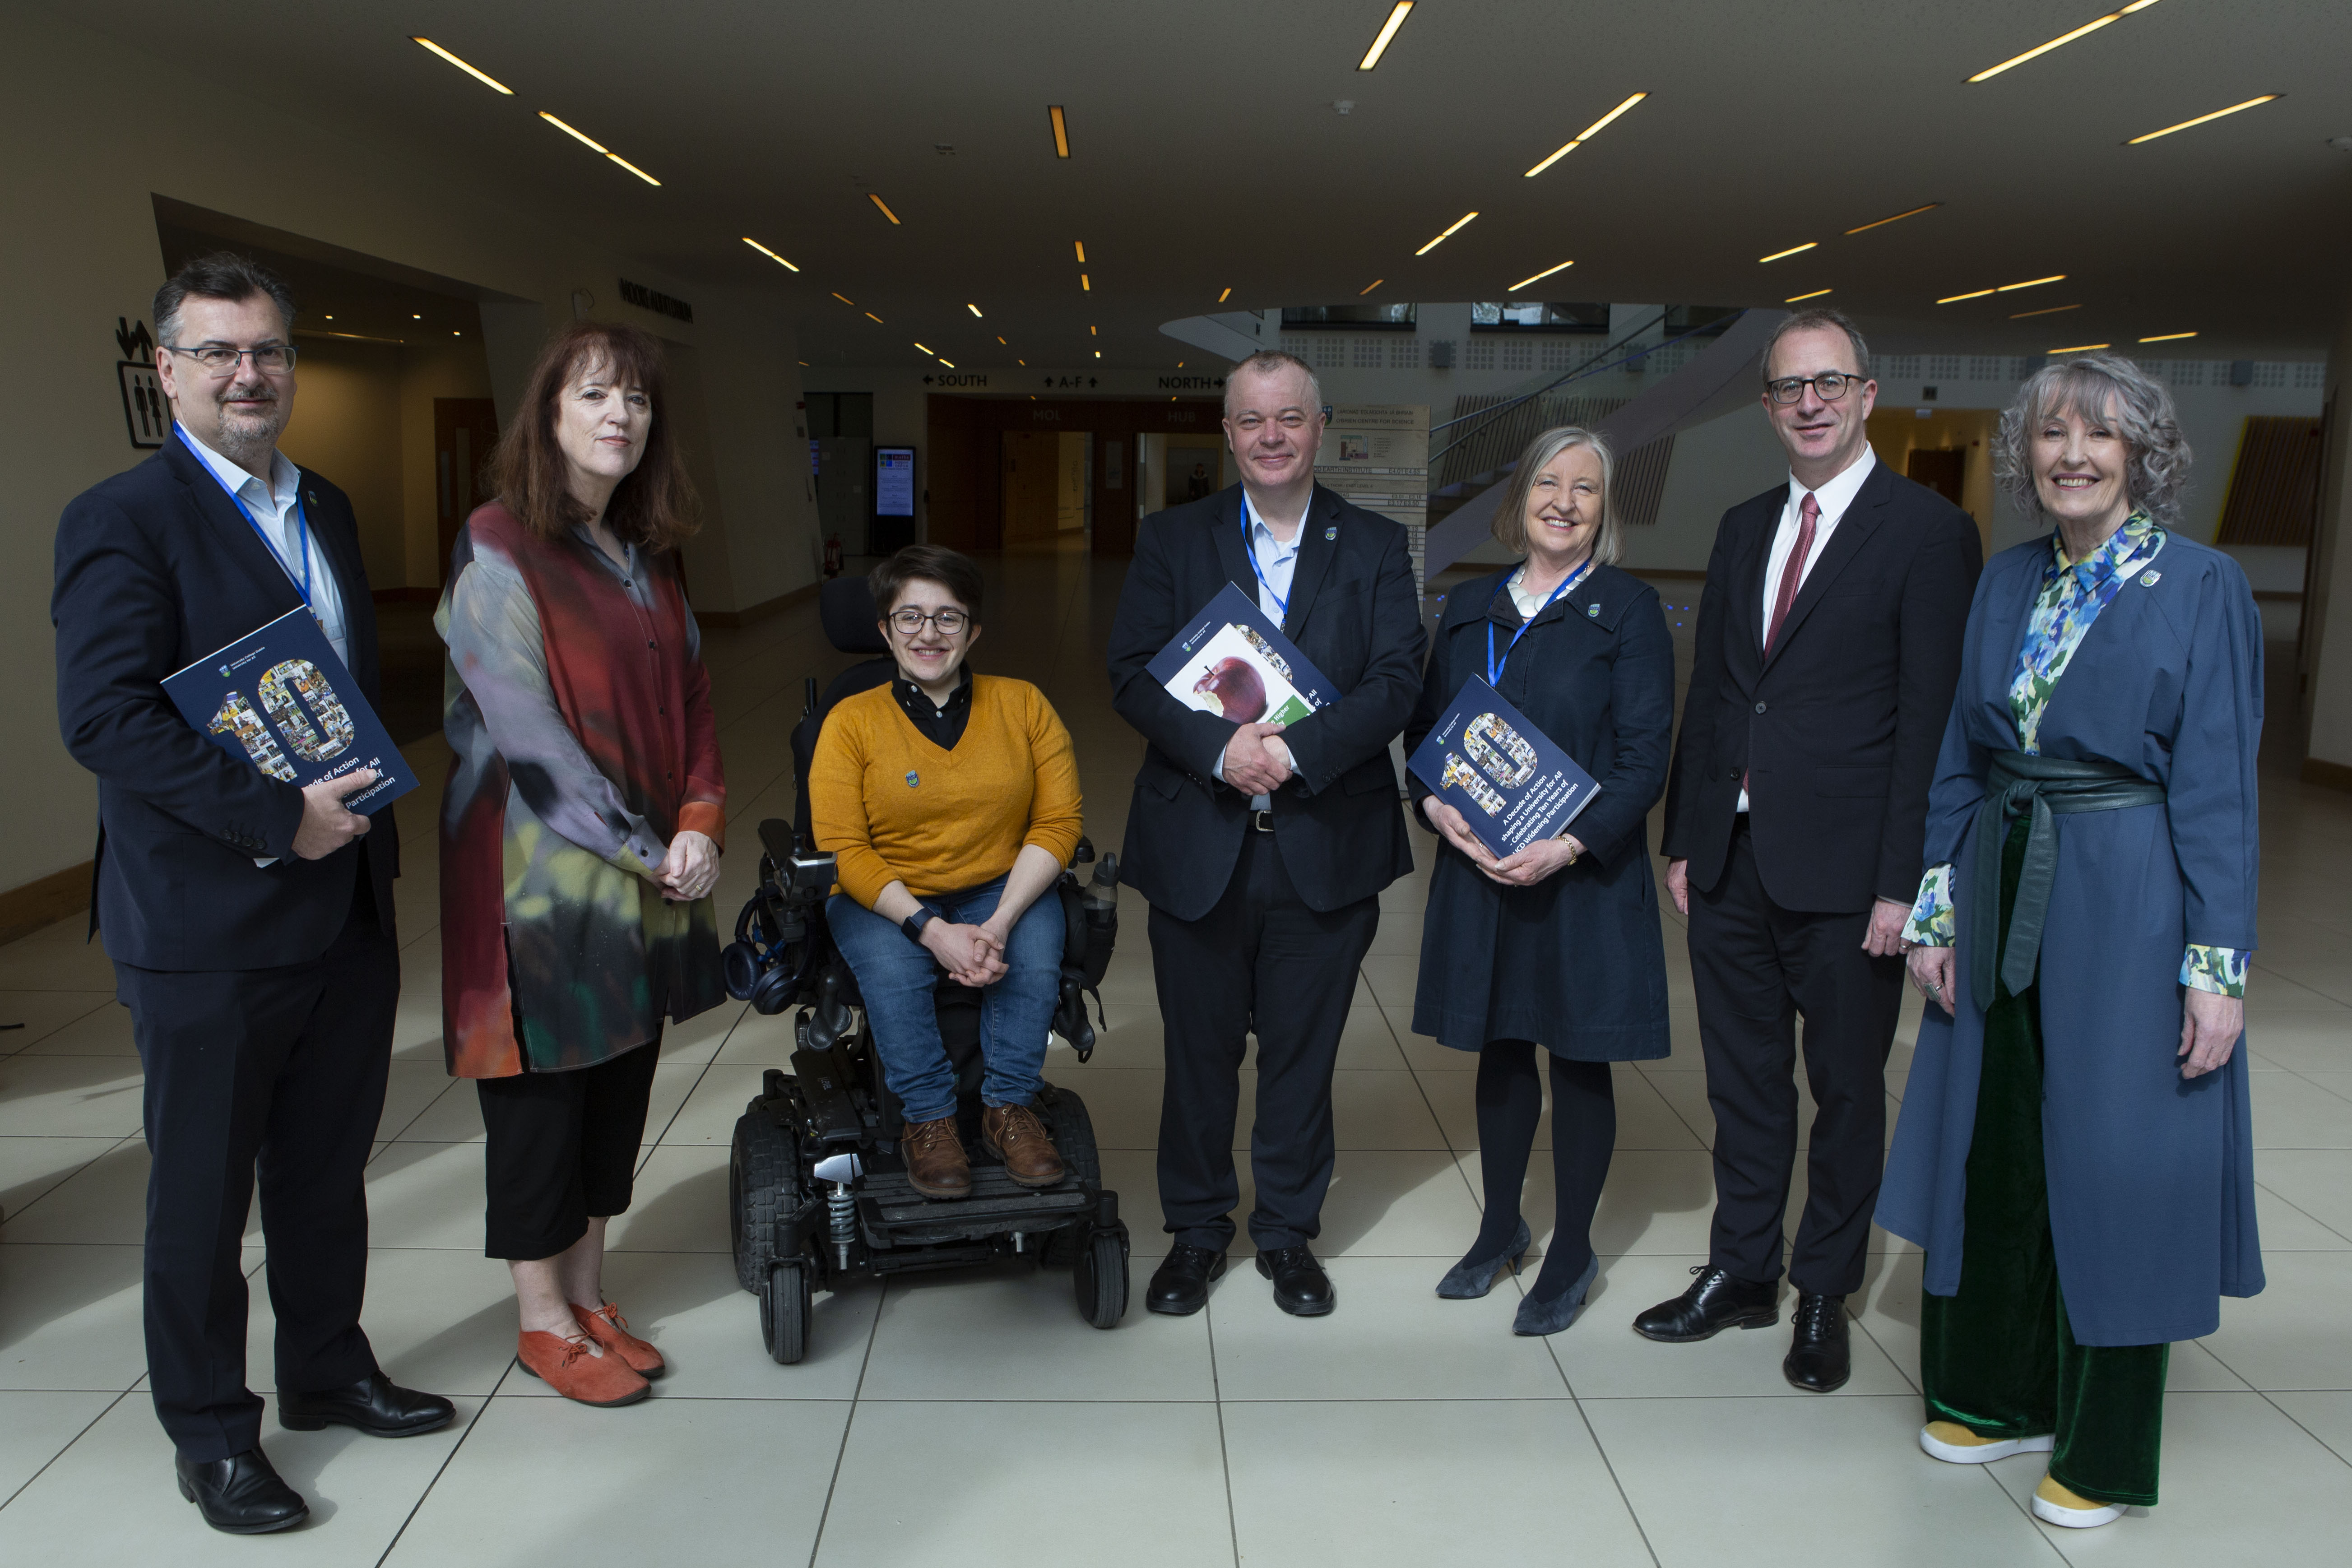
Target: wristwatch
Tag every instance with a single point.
(913, 925)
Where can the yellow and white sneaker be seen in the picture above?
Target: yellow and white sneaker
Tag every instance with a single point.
(1956, 1444)
(2053, 1504)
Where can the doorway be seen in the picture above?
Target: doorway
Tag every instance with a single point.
(464, 430)
(1044, 480)
(1950, 450)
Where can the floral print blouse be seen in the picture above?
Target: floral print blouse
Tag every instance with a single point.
(2073, 594)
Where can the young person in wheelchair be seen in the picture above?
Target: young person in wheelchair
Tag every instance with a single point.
(951, 804)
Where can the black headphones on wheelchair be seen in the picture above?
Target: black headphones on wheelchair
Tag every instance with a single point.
(759, 969)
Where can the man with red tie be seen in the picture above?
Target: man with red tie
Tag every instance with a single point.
(1828, 648)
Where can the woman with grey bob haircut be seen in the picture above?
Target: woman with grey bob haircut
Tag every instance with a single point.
(2074, 1152)
(1510, 525)
(2132, 402)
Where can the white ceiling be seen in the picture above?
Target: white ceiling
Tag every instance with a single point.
(1207, 154)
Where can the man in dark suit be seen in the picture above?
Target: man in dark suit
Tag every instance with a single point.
(250, 921)
(1262, 848)
(1828, 645)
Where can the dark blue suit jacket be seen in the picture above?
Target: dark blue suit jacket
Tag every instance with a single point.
(1356, 617)
(156, 567)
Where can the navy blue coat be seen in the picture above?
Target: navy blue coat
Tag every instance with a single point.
(1581, 964)
(2151, 1176)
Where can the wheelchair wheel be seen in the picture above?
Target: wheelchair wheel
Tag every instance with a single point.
(1073, 1132)
(1100, 1277)
(763, 1188)
(784, 1311)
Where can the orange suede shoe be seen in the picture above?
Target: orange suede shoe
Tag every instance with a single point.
(571, 1368)
(605, 1325)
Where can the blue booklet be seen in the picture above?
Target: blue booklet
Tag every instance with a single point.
(279, 698)
(1509, 783)
(1231, 660)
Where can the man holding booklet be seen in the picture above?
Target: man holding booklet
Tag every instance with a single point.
(1265, 819)
(249, 919)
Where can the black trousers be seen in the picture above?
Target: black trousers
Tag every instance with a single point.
(563, 1148)
(1756, 968)
(1260, 961)
(279, 1071)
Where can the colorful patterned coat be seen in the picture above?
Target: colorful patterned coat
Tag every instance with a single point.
(580, 713)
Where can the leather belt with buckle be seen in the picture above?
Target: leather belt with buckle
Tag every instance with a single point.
(1262, 820)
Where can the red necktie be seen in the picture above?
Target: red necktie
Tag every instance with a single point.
(1792, 576)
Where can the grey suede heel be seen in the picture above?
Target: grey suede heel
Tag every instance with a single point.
(1474, 1277)
(1539, 1318)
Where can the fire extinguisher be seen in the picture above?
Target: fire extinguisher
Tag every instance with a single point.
(832, 556)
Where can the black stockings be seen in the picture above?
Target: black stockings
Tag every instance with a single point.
(1584, 1137)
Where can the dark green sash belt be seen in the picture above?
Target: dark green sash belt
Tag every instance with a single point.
(2020, 784)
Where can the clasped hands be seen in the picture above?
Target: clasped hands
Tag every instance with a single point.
(1521, 869)
(1255, 762)
(973, 955)
(690, 870)
(2210, 1024)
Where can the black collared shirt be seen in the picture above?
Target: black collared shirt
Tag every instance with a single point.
(943, 727)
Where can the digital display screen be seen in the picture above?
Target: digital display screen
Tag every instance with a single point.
(894, 481)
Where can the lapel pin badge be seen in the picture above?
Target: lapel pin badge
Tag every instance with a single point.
(1330, 534)
(2147, 579)
(1593, 611)
(913, 779)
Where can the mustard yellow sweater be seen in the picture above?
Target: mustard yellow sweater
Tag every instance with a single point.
(892, 806)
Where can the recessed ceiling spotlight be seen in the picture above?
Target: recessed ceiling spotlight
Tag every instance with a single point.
(2168, 337)
(483, 77)
(2046, 310)
(1898, 217)
(770, 253)
(2084, 30)
(974, 309)
(1442, 238)
(1792, 250)
(1388, 32)
(879, 202)
(2202, 119)
(1814, 295)
(1538, 276)
(1061, 130)
(330, 318)
(414, 317)
(1369, 286)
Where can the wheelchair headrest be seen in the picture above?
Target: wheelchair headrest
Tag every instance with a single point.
(846, 606)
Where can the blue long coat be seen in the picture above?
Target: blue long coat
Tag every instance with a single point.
(2151, 1176)
(1582, 965)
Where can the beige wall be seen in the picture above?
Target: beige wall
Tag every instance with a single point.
(455, 367)
(346, 426)
(77, 237)
(2327, 702)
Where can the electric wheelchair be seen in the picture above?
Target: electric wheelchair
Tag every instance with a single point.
(817, 1192)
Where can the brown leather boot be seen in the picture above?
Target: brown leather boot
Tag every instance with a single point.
(1015, 1135)
(935, 1165)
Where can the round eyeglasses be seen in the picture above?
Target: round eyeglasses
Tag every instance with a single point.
(270, 359)
(1829, 385)
(910, 623)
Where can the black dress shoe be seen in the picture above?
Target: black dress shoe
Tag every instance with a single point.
(1714, 1301)
(241, 1494)
(1821, 1359)
(1180, 1286)
(1300, 1287)
(376, 1405)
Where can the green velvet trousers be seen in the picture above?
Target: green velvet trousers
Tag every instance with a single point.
(2000, 1358)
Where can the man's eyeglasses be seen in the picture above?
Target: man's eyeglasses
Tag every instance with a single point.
(271, 359)
(910, 623)
(1830, 384)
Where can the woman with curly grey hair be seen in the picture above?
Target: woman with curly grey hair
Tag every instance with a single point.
(2074, 1152)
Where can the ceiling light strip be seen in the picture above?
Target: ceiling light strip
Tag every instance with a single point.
(927, 350)
(579, 136)
(1814, 295)
(1792, 250)
(975, 310)
(879, 202)
(1226, 295)
(1085, 287)
(1554, 158)
(875, 320)
(770, 253)
(1369, 286)
(2062, 39)
(633, 168)
(493, 83)
(1081, 246)
(2202, 119)
(2046, 310)
(1061, 130)
(2032, 283)
(1449, 233)
(846, 300)
(1388, 33)
(2077, 349)
(1538, 276)
(2168, 337)
(1589, 132)
(1971, 294)
(1898, 217)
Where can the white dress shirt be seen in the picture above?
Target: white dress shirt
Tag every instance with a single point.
(1834, 499)
(273, 506)
(1277, 563)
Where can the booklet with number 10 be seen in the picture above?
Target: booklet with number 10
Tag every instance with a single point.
(1510, 783)
(279, 698)
(1230, 660)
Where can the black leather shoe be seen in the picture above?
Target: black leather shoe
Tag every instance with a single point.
(241, 1494)
(1180, 1286)
(1300, 1287)
(376, 1405)
(1714, 1301)
(1821, 1359)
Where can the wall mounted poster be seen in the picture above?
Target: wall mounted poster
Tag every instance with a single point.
(1230, 660)
(280, 700)
(1510, 783)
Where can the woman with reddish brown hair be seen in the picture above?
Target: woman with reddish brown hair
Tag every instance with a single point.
(579, 830)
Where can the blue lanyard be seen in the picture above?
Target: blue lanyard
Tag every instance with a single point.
(1495, 662)
(1249, 547)
(302, 526)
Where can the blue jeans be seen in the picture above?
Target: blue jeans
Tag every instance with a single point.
(900, 980)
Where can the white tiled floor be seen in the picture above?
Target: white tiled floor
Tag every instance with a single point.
(974, 1416)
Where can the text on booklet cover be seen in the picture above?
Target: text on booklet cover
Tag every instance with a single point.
(279, 698)
(1510, 783)
(1231, 660)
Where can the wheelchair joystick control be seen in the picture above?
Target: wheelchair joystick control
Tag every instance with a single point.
(841, 1170)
